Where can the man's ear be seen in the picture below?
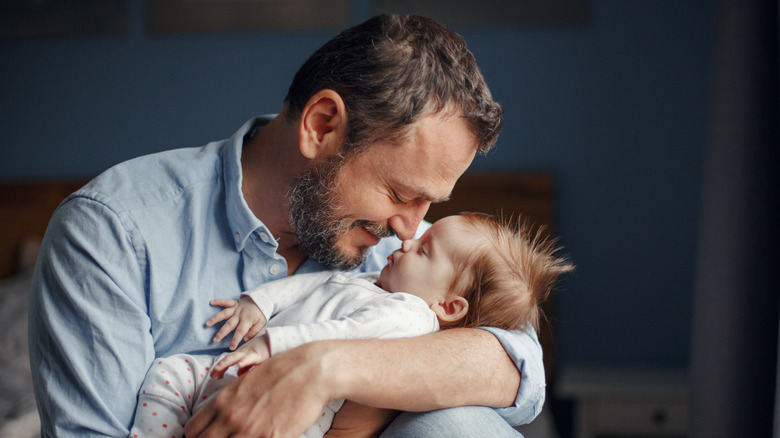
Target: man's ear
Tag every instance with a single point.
(450, 310)
(323, 125)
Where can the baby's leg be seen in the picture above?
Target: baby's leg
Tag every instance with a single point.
(324, 421)
(171, 393)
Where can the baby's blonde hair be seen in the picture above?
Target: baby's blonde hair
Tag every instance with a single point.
(508, 276)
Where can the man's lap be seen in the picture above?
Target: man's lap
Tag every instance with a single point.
(463, 422)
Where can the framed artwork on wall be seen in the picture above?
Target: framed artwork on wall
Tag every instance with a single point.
(57, 18)
(491, 13)
(220, 16)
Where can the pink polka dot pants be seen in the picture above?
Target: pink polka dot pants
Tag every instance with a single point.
(177, 387)
(174, 390)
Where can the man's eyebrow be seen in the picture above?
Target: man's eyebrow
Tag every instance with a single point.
(439, 200)
(425, 194)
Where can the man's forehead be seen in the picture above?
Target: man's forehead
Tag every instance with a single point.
(428, 160)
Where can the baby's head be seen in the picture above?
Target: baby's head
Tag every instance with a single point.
(476, 270)
(508, 272)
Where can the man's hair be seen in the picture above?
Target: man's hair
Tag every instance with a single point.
(391, 70)
(508, 276)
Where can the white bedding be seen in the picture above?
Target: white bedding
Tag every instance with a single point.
(18, 415)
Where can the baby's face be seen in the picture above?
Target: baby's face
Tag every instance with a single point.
(424, 267)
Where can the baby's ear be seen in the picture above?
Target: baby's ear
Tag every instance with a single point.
(450, 310)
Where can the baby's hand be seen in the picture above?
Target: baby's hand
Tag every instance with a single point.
(254, 352)
(242, 315)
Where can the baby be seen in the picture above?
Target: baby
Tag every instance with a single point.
(467, 270)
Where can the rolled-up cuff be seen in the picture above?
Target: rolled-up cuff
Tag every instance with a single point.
(524, 349)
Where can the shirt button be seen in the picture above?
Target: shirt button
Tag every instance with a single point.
(237, 237)
(274, 269)
(264, 237)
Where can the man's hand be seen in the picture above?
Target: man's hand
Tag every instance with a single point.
(281, 397)
(243, 315)
(253, 353)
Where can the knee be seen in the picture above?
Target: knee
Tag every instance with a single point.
(466, 422)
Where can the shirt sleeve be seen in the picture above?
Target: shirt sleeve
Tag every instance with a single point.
(388, 316)
(90, 341)
(524, 349)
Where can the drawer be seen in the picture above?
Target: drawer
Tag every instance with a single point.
(637, 417)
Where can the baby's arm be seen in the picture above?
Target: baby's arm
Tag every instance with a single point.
(251, 312)
(354, 420)
(243, 315)
(252, 353)
(387, 316)
(384, 317)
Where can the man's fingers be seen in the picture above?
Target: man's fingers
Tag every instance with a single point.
(197, 424)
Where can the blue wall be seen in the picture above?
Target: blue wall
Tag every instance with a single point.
(615, 107)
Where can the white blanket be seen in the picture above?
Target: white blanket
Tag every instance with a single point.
(18, 415)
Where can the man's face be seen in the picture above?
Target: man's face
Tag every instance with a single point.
(318, 218)
(341, 207)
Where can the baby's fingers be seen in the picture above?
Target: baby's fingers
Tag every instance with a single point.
(237, 337)
(253, 331)
(225, 330)
(223, 302)
(221, 316)
(247, 362)
(219, 369)
(243, 332)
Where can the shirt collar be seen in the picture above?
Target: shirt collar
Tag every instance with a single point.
(241, 219)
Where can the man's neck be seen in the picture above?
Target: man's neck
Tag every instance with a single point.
(270, 162)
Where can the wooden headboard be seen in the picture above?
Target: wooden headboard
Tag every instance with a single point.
(509, 194)
(25, 209)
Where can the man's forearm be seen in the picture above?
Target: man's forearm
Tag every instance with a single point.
(283, 395)
(449, 368)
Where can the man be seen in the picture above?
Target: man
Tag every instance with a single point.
(378, 123)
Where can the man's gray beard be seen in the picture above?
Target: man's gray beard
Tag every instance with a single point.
(318, 218)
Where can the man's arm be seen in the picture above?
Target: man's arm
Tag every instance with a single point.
(282, 396)
(90, 344)
(455, 367)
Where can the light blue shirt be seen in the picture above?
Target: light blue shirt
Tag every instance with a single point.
(126, 271)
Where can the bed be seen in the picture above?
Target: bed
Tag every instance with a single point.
(26, 206)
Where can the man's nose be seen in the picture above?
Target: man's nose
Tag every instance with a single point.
(405, 223)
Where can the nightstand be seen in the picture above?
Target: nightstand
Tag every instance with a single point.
(626, 402)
